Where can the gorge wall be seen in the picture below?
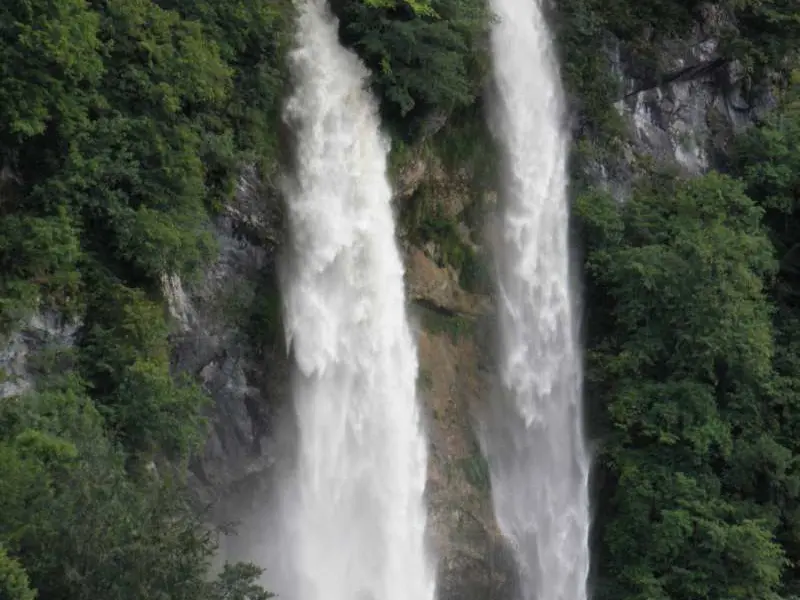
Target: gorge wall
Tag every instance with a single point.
(225, 328)
(444, 215)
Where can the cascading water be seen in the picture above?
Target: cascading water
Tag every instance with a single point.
(533, 432)
(353, 518)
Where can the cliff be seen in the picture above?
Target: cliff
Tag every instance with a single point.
(225, 329)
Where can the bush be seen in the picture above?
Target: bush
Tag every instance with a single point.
(81, 527)
(125, 358)
(680, 368)
(425, 57)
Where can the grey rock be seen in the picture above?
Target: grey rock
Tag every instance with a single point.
(688, 117)
(246, 381)
(45, 330)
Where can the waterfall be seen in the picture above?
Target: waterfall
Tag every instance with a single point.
(353, 517)
(532, 433)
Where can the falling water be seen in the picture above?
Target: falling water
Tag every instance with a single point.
(353, 518)
(532, 434)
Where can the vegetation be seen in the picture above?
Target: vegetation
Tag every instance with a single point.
(76, 524)
(455, 326)
(692, 376)
(123, 126)
(426, 56)
(253, 307)
(476, 469)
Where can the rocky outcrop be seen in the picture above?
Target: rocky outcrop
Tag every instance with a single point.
(437, 287)
(246, 377)
(689, 113)
(23, 354)
(452, 339)
(250, 388)
(473, 562)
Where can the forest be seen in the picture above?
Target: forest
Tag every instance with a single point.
(124, 125)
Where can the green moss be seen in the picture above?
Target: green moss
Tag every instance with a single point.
(425, 380)
(456, 327)
(400, 156)
(424, 222)
(476, 470)
(466, 144)
(265, 323)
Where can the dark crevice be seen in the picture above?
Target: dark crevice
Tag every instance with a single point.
(436, 308)
(686, 74)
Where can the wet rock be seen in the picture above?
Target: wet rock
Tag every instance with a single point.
(246, 379)
(438, 287)
(474, 562)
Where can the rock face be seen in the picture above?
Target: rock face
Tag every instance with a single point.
(473, 561)
(250, 387)
(690, 114)
(245, 377)
(453, 341)
(45, 331)
(431, 285)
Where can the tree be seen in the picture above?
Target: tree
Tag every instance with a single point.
(681, 365)
(14, 583)
(49, 52)
(424, 56)
(236, 582)
(82, 527)
(125, 357)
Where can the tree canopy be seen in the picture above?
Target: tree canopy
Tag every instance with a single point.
(692, 381)
(124, 124)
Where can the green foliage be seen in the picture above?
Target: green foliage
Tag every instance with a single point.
(424, 56)
(425, 222)
(680, 369)
(265, 324)
(768, 160)
(163, 82)
(38, 262)
(236, 582)
(58, 41)
(454, 326)
(468, 150)
(14, 584)
(693, 327)
(764, 34)
(583, 35)
(699, 242)
(81, 527)
(253, 38)
(253, 306)
(476, 470)
(122, 124)
(125, 357)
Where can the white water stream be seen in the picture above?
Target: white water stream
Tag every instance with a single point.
(533, 432)
(352, 518)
